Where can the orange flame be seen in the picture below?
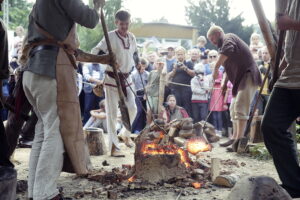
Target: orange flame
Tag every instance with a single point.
(155, 149)
(196, 145)
(160, 137)
(196, 185)
(131, 179)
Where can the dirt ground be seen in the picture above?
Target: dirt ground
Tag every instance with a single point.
(72, 184)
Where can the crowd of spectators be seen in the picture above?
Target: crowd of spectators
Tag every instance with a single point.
(189, 88)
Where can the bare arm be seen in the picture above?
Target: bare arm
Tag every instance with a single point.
(287, 23)
(189, 71)
(91, 58)
(173, 72)
(222, 58)
(99, 114)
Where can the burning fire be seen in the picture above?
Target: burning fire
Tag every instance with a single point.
(196, 185)
(196, 145)
(155, 149)
(131, 179)
(160, 137)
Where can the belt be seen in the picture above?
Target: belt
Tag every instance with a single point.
(42, 47)
(122, 77)
(140, 93)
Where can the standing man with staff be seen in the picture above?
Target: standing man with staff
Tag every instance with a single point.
(242, 72)
(123, 44)
(284, 105)
(49, 83)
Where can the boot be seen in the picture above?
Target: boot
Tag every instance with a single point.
(226, 144)
(234, 146)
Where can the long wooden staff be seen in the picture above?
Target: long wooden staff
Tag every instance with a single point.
(122, 105)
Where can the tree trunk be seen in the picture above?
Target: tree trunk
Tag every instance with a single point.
(95, 141)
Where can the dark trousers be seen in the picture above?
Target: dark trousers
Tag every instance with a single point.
(200, 111)
(262, 103)
(282, 109)
(91, 102)
(226, 120)
(183, 98)
(14, 126)
(217, 120)
(140, 120)
(28, 130)
(4, 156)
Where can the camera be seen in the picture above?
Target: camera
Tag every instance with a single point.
(179, 64)
(165, 104)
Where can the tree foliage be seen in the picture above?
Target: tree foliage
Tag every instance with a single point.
(90, 37)
(18, 13)
(204, 13)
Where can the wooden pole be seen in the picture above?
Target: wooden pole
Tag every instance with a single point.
(161, 93)
(265, 28)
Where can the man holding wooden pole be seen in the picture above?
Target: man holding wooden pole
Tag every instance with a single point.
(243, 73)
(49, 83)
(284, 105)
(123, 44)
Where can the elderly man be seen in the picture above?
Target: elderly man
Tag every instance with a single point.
(195, 56)
(283, 106)
(263, 67)
(181, 75)
(242, 72)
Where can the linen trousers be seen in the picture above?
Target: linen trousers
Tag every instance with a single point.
(46, 157)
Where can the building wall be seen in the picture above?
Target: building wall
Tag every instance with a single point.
(162, 30)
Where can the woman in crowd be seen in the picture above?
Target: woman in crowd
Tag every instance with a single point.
(172, 111)
(217, 103)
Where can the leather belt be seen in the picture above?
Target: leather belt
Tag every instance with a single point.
(122, 77)
(42, 47)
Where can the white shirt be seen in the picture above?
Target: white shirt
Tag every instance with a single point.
(123, 53)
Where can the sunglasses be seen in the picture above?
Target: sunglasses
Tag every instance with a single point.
(212, 56)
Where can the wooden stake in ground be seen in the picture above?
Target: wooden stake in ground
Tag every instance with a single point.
(95, 141)
(215, 168)
(161, 93)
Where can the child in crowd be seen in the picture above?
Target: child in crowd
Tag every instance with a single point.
(255, 45)
(200, 89)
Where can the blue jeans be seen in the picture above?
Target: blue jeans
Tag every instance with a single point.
(140, 120)
(199, 111)
(91, 102)
(217, 120)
